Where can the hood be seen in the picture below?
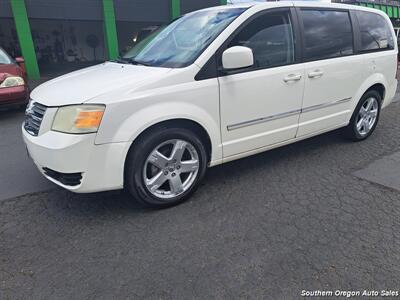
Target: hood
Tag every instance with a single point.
(84, 85)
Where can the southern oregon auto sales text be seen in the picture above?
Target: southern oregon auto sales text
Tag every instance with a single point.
(350, 294)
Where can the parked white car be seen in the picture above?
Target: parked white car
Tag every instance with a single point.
(215, 85)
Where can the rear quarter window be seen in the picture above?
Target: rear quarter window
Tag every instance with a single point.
(375, 32)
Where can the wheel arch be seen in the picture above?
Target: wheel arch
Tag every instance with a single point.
(374, 82)
(380, 88)
(189, 124)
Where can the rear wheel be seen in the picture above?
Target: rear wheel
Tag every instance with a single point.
(365, 117)
(165, 167)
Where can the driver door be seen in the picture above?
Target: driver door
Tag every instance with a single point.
(261, 105)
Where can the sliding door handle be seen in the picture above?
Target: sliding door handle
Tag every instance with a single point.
(315, 74)
(292, 77)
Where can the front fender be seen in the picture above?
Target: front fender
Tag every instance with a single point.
(138, 122)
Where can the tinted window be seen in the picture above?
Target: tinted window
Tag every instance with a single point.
(270, 37)
(375, 32)
(327, 34)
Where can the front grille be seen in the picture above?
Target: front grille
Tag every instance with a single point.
(33, 118)
(69, 179)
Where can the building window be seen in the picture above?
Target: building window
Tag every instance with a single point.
(65, 45)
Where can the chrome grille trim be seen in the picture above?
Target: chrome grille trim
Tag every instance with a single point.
(33, 118)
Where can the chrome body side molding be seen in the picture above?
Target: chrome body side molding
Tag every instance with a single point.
(263, 120)
(286, 114)
(325, 105)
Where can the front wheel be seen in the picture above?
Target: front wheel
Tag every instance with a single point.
(165, 167)
(365, 117)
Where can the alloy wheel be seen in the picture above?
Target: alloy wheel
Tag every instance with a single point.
(171, 169)
(367, 116)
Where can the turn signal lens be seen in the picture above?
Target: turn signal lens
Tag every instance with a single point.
(89, 119)
(76, 119)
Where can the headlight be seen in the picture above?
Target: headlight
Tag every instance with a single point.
(12, 81)
(78, 118)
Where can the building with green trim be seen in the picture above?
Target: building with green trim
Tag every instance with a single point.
(391, 8)
(57, 36)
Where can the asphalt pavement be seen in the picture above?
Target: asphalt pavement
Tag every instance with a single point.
(18, 175)
(296, 218)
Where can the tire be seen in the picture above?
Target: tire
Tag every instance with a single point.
(160, 179)
(367, 116)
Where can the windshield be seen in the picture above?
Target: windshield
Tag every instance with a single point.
(4, 58)
(181, 42)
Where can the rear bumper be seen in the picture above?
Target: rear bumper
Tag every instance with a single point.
(100, 167)
(390, 94)
(14, 95)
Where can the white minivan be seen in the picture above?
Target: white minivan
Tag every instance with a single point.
(213, 86)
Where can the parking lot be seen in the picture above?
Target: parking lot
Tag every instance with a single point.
(265, 227)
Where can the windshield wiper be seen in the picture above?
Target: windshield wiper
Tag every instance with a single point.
(126, 60)
(138, 63)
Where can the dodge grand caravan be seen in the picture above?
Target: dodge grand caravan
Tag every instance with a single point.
(213, 86)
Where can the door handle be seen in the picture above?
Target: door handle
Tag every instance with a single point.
(292, 77)
(315, 74)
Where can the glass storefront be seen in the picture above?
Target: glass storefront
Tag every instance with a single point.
(136, 20)
(70, 34)
(132, 33)
(67, 44)
(8, 37)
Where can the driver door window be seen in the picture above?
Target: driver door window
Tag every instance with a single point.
(270, 37)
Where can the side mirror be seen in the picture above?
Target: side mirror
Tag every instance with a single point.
(237, 57)
(21, 62)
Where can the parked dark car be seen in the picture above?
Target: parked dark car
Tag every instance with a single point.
(14, 90)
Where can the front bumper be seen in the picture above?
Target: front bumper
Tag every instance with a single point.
(101, 166)
(14, 95)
